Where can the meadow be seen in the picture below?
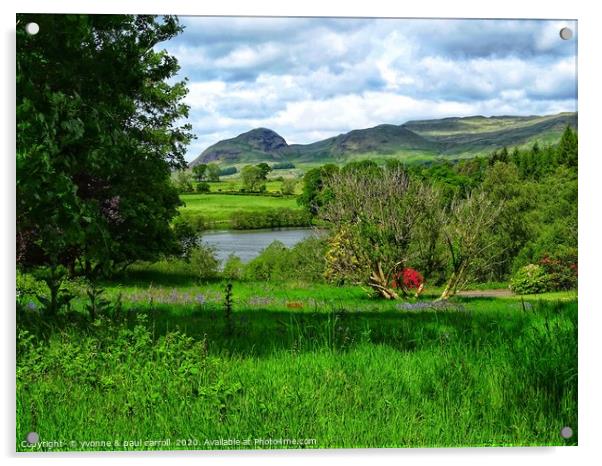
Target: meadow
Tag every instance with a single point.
(218, 208)
(319, 365)
(233, 184)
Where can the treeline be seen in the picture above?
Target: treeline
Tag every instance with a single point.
(522, 203)
(189, 226)
(272, 218)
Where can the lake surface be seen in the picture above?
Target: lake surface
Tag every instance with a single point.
(247, 244)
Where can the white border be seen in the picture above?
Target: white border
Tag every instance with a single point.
(590, 168)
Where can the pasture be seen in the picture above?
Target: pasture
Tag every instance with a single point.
(218, 208)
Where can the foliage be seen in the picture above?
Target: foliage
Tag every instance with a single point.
(468, 221)
(530, 279)
(213, 172)
(566, 152)
(288, 186)
(252, 178)
(270, 263)
(304, 262)
(187, 233)
(203, 261)
(98, 304)
(95, 147)
(343, 263)
(183, 181)
(409, 279)
(233, 268)
(59, 294)
(561, 271)
(28, 286)
(199, 172)
(264, 170)
(228, 171)
(511, 232)
(202, 187)
(228, 320)
(375, 214)
(315, 191)
(271, 218)
(283, 165)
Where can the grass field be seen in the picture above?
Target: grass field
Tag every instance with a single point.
(218, 207)
(321, 365)
(234, 184)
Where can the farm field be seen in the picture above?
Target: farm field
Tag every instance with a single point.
(234, 184)
(219, 207)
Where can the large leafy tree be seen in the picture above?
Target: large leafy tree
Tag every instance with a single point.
(99, 129)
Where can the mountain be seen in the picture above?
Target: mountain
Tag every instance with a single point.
(382, 139)
(446, 137)
(477, 134)
(257, 144)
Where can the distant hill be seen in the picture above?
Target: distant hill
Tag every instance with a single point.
(479, 134)
(447, 137)
(257, 144)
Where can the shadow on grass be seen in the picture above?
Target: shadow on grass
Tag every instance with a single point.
(262, 332)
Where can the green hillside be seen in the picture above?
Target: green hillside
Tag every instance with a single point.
(422, 139)
(478, 134)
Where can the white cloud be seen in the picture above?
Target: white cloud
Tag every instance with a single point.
(309, 79)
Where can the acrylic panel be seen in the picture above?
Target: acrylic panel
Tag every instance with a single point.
(290, 233)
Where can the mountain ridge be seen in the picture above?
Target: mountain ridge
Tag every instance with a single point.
(450, 136)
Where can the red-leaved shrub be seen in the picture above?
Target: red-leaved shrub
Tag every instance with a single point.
(409, 278)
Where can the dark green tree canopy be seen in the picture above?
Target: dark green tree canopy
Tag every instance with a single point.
(99, 128)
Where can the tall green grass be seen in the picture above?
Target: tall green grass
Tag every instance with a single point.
(480, 372)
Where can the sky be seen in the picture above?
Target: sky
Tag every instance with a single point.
(313, 78)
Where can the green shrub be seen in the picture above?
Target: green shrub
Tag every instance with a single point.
(269, 264)
(233, 268)
(202, 187)
(29, 286)
(305, 261)
(530, 279)
(203, 261)
(288, 186)
(562, 270)
(187, 232)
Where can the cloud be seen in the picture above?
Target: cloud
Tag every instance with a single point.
(311, 78)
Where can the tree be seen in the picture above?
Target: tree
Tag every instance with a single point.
(566, 152)
(199, 172)
(288, 186)
(513, 229)
(98, 132)
(252, 178)
(374, 216)
(315, 191)
(183, 181)
(264, 170)
(213, 172)
(467, 222)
